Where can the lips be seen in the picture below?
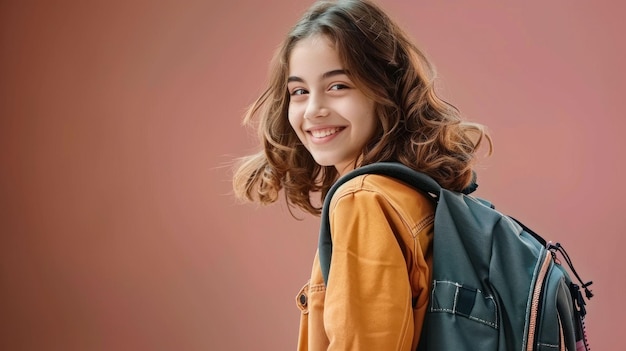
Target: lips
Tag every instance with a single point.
(325, 132)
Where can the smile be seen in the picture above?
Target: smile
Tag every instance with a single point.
(323, 133)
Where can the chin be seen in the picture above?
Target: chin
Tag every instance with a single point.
(323, 161)
(325, 164)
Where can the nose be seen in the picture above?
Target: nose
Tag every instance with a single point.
(316, 107)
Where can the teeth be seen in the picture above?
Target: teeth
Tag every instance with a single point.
(321, 133)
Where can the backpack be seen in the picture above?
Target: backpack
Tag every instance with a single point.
(496, 285)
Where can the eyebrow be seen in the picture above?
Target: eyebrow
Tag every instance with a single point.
(326, 75)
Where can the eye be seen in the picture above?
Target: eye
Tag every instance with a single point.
(339, 87)
(298, 91)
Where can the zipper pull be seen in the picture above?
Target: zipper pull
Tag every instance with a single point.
(553, 249)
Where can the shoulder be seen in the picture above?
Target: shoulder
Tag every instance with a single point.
(382, 191)
(376, 184)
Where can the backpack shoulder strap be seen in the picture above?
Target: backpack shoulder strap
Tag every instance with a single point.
(395, 170)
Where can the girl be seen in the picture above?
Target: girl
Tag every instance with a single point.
(349, 88)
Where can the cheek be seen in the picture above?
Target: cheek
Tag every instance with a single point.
(295, 120)
(370, 120)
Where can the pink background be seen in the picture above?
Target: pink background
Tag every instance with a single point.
(119, 121)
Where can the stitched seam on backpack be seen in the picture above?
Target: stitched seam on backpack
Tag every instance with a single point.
(548, 345)
(453, 310)
(447, 310)
(491, 324)
(456, 298)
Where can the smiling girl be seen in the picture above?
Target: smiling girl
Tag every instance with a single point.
(349, 88)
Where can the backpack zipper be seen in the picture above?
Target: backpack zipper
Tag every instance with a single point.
(534, 305)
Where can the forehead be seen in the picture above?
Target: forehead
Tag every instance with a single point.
(314, 55)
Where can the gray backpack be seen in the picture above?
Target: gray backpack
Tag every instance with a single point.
(496, 285)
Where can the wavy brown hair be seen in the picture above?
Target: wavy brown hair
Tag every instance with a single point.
(416, 127)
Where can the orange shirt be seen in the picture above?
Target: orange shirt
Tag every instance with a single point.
(382, 245)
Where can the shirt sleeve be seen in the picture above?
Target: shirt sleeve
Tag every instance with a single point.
(368, 296)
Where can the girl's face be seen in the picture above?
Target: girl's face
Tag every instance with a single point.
(332, 118)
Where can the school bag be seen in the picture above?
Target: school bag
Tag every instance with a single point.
(496, 285)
